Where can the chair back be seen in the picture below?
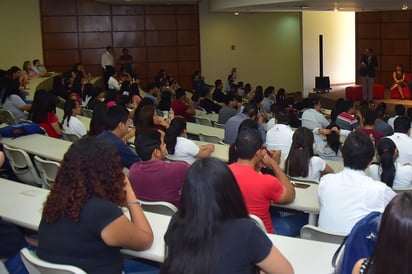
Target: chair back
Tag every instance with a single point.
(210, 138)
(315, 233)
(87, 112)
(258, 222)
(203, 121)
(47, 169)
(70, 136)
(216, 124)
(160, 207)
(336, 165)
(400, 190)
(35, 265)
(7, 117)
(60, 102)
(22, 165)
(200, 111)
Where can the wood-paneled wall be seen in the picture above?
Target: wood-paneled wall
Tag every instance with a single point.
(158, 37)
(389, 34)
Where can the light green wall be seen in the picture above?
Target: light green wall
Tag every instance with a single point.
(268, 47)
(20, 32)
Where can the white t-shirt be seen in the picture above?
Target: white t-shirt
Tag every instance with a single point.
(113, 83)
(270, 124)
(185, 150)
(279, 137)
(404, 145)
(14, 103)
(316, 166)
(75, 127)
(348, 196)
(403, 175)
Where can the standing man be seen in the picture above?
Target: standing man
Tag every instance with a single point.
(367, 71)
(107, 58)
(126, 61)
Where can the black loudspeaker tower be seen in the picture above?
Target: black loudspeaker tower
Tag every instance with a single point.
(322, 83)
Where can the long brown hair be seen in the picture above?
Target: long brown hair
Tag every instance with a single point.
(91, 167)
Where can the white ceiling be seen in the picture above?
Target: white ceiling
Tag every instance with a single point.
(278, 5)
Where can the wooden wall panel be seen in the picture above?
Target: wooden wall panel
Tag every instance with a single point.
(395, 47)
(128, 23)
(128, 39)
(369, 30)
(91, 7)
(61, 7)
(395, 16)
(395, 30)
(160, 22)
(190, 53)
(187, 21)
(389, 62)
(127, 10)
(95, 39)
(161, 54)
(187, 37)
(59, 24)
(60, 40)
(158, 37)
(369, 17)
(61, 57)
(94, 23)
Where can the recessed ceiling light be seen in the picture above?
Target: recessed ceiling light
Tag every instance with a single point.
(236, 13)
(404, 7)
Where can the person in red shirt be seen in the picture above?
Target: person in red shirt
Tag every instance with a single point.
(260, 190)
(182, 106)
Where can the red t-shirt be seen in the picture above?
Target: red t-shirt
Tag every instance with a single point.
(180, 109)
(46, 124)
(258, 190)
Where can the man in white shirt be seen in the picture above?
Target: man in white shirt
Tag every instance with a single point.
(401, 138)
(312, 118)
(348, 196)
(107, 58)
(279, 137)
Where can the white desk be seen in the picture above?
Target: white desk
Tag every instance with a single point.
(22, 204)
(221, 151)
(214, 117)
(42, 145)
(195, 129)
(306, 200)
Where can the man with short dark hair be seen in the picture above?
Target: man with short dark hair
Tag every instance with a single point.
(312, 117)
(231, 108)
(154, 179)
(350, 118)
(401, 138)
(348, 196)
(250, 111)
(368, 127)
(117, 127)
(268, 100)
(182, 105)
(152, 92)
(107, 58)
(260, 190)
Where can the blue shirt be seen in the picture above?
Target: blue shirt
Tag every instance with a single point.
(126, 154)
(232, 127)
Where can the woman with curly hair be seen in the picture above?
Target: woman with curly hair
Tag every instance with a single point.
(82, 222)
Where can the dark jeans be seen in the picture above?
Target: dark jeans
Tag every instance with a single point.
(289, 225)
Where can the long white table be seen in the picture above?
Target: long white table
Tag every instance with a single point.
(42, 145)
(195, 129)
(306, 200)
(22, 204)
(221, 151)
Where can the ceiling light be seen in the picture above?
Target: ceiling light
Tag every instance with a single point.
(404, 7)
(236, 13)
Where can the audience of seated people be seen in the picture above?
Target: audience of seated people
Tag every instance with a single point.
(154, 179)
(348, 196)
